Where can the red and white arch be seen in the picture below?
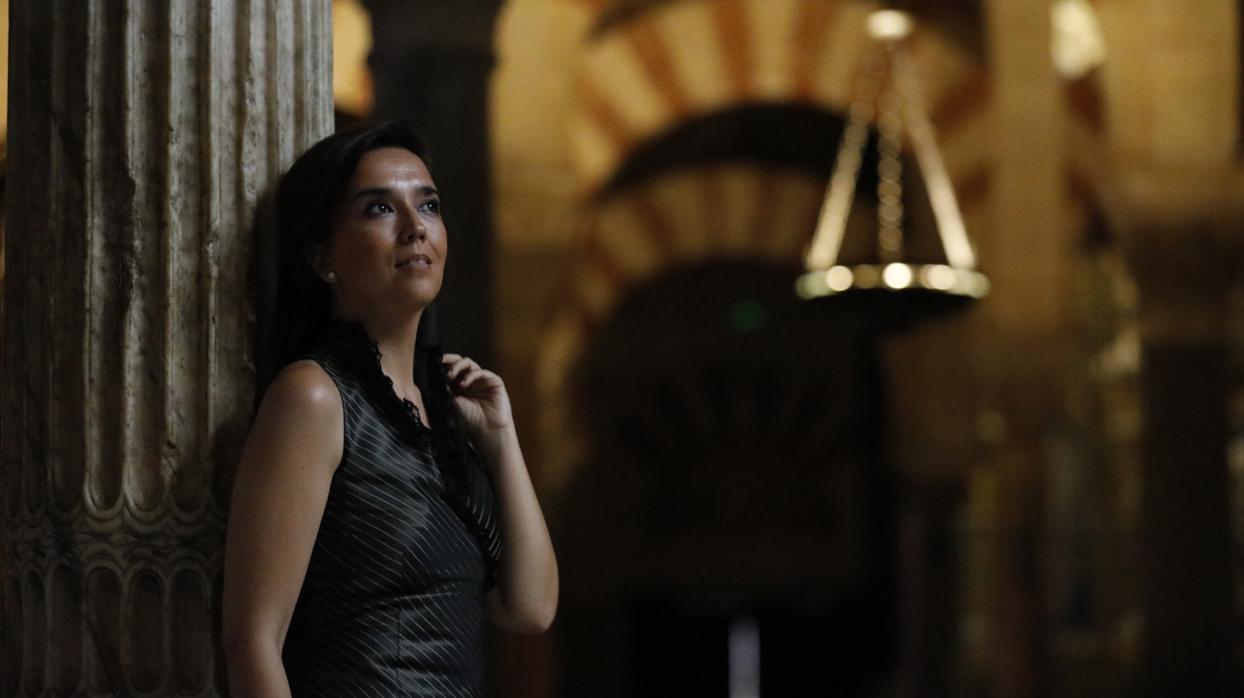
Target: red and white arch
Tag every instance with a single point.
(646, 75)
(686, 59)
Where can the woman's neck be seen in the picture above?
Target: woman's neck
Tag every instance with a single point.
(395, 339)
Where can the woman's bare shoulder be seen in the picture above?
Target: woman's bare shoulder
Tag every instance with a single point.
(301, 416)
(304, 385)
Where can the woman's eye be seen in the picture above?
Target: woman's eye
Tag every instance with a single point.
(432, 206)
(376, 208)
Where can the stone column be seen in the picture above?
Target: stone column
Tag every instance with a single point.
(1173, 111)
(141, 134)
(432, 61)
(1025, 339)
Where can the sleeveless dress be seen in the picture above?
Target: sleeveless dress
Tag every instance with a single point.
(392, 603)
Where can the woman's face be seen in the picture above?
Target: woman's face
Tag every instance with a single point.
(387, 248)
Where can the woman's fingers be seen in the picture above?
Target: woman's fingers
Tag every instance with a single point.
(463, 372)
(476, 376)
(452, 370)
(456, 364)
(464, 369)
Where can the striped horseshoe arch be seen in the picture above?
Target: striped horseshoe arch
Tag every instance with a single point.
(681, 61)
(662, 69)
(678, 60)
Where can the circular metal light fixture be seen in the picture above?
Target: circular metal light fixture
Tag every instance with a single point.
(888, 98)
(932, 278)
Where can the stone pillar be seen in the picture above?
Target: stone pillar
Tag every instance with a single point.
(1173, 113)
(141, 134)
(432, 62)
(1025, 339)
(1184, 276)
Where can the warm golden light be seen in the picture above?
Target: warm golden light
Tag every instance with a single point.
(941, 278)
(839, 279)
(1076, 44)
(897, 275)
(4, 70)
(938, 277)
(352, 82)
(889, 25)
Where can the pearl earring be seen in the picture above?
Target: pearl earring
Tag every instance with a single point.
(332, 277)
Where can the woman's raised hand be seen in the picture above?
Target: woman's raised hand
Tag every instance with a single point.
(481, 398)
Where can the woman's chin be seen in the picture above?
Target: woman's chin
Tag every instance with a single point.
(419, 296)
(418, 286)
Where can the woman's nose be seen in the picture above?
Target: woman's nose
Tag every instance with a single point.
(414, 230)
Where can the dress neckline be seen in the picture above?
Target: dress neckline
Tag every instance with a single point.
(355, 332)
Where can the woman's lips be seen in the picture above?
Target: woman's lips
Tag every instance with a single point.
(415, 261)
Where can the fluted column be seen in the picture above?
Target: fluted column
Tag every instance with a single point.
(141, 134)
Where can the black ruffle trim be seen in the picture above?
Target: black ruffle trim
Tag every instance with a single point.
(352, 336)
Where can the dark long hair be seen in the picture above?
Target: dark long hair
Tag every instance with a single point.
(307, 197)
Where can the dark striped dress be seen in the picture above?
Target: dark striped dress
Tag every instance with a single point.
(392, 603)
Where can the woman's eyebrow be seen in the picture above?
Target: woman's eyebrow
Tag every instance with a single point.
(425, 190)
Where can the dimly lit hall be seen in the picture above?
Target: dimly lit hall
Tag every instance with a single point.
(857, 348)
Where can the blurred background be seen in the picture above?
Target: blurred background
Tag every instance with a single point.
(1041, 494)
(1038, 492)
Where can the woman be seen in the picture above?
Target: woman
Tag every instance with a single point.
(382, 507)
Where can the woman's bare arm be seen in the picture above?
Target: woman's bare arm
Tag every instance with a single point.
(525, 599)
(278, 500)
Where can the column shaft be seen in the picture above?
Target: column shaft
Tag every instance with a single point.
(141, 135)
(1025, 338)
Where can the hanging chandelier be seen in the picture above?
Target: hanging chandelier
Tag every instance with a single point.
(888, 99)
